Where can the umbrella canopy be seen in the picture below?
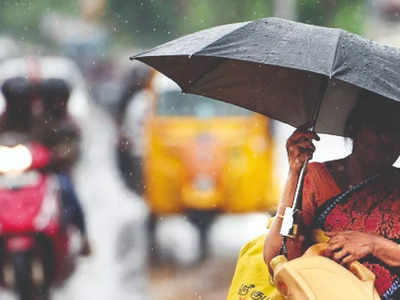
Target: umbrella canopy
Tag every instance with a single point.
(281, 69)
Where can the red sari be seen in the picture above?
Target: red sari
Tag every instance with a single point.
(374, 208)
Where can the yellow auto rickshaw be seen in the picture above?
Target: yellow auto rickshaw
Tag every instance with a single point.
(205, 157)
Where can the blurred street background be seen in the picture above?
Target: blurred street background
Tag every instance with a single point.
(171, 186)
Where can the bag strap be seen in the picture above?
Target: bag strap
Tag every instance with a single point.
(323, 210)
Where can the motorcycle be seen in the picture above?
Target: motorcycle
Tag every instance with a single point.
(36, 249)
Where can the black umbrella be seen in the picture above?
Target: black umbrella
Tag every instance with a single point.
(278, 67)
(286, 70)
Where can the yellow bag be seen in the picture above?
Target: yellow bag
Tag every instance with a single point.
(251, 280)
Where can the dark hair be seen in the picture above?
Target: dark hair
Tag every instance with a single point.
(54, 90)
(374, 112)
(18, 94)
(17, 90)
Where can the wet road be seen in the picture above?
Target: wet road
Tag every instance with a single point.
(209, 280)
(115, 217)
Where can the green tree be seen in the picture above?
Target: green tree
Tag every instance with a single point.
(155, 21)
(346, 14)
(21, 18)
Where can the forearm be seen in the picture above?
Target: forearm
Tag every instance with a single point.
(386, 251)
(273, 240)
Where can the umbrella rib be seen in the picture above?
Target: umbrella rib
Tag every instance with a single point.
(216, 65)
(335, 55)
(219, 38)
(193, 82)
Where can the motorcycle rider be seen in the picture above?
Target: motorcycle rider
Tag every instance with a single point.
(17, 118)
(61, 135)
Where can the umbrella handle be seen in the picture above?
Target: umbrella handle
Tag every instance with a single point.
(288, 227)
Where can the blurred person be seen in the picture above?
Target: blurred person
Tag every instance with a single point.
(133, 107)
(55, 127)
(137, 79)
(61, 135)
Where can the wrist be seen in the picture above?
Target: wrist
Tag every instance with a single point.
(375, 244)
(282, 207)
(294, 171)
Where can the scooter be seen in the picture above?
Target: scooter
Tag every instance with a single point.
(36, 252)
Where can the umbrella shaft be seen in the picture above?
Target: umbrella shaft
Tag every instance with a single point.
(299, 186)
(288, 227)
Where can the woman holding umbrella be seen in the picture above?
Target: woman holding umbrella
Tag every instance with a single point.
(295, 72)
(355, 200)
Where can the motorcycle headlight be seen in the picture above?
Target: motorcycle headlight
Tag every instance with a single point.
(203, 183)
(15, 159)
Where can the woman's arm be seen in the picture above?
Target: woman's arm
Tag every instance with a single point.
(387, 251)
(346, 247)
(273, 241)
(299, 147)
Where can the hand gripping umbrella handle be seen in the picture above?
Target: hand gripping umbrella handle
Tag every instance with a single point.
(289, 226)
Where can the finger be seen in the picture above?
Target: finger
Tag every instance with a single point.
(301, 158)
(339, 255)
(303, 135)
(331, 250)
(305, 128)
(311, 135)
(296, 150)
(306, 155)
(306, 145)
(337, 239)
(348, 259)
(331, 233)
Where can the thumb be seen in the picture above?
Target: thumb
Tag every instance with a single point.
(330, 233)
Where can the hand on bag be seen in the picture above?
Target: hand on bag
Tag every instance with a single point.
(300, 147)
(348, 246)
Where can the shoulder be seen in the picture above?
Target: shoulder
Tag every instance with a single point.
(314, 169)
(318, 179)
(315, 166)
